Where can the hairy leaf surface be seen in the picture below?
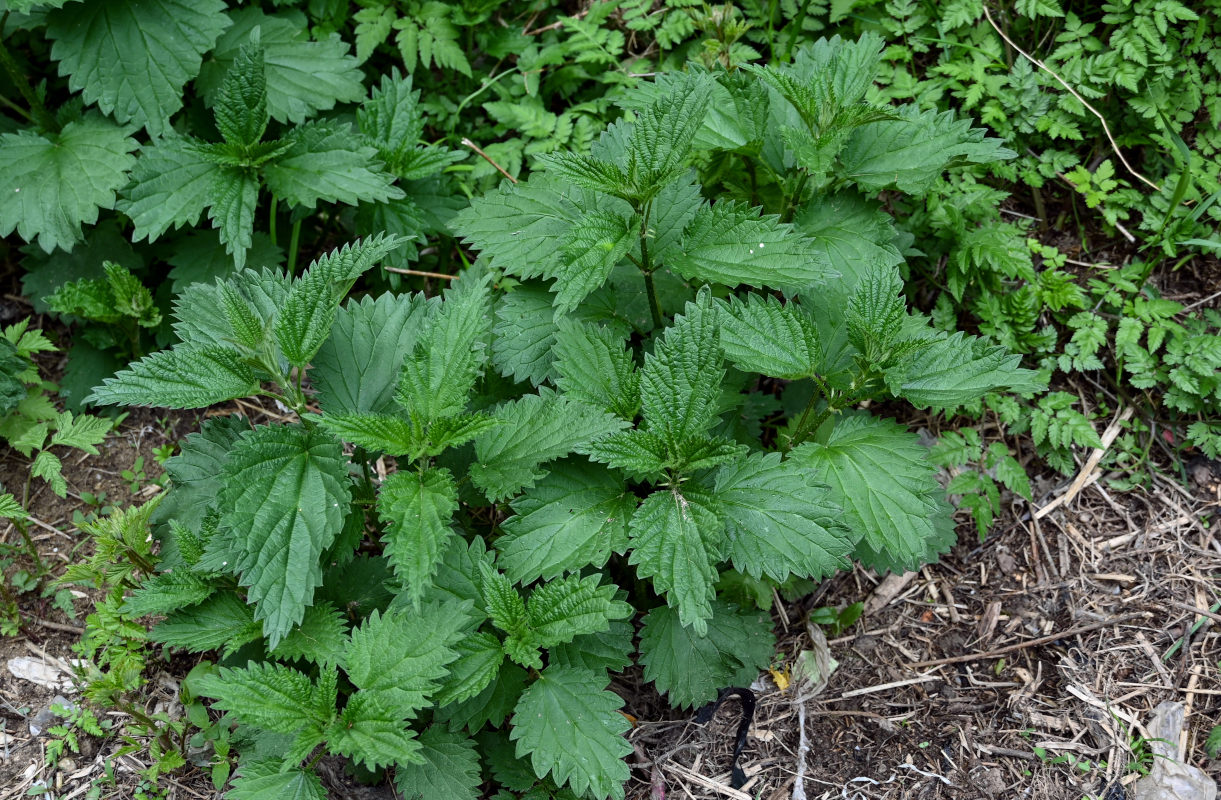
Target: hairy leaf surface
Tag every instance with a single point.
(285, 491)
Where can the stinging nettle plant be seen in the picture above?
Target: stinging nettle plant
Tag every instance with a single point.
(636, 393)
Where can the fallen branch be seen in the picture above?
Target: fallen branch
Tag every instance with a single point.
(468, 143)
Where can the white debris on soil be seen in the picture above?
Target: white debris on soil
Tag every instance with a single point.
(1171, 778)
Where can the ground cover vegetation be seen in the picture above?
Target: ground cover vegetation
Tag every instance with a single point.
(697, 259)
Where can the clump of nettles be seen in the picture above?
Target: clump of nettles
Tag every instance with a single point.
(642, 389)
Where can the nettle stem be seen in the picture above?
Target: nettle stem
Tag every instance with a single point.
(646, 267)
(22, 82)
(293, 240)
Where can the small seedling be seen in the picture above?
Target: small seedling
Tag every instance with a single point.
(135, 476)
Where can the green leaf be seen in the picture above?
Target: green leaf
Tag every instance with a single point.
(606, 650)
(760, 335)
(450, 768)
(691, 669)
(370, 733)
(378, 433)
(561, 610)
(535, 429)
(779, 522)
(46, 465)
(321, 638)
(730, 243)
(303, 77)
(524, 334)
(232, 197)
(263, 780)
(504, 605)
(51, 183)
(681, 380)
(304, 321)
(641, 454)
(274, 697)
(911, 152)
(323, 162)
(479, 658)
(594, 364)
(570, 727)
(241, 107)
(183, 377)
(166, 592)
(494, 704)
(439, 374)
(357, 368)
(852, 233)
(882, 477)
(957, 369)
(81, 432)
(285, 492)
(11, 509)
(591, 250)
(517, 227)
(663, 134)
(574, 517)
(401, 656)
(222, 622)
(417, 508)
(133, 57)
(677, 536)
(170, 186)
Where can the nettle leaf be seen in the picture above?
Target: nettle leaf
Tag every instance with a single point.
(591, 249)
(417, 507)
(303, 77)
(534, 429)
(439, 374)
(133, 57)
(241, 107)
(574, 517)
(663, 134)
(690, 669)
(371, 733)
(183, 377)
(677, 536)
(909, 153)
(779, 522)
(324, 163)
(570, 727)
(357, 368)
(170, 186)
(561, 610)
(606, 650)
(957, 369)
(263, 780)
(166, 592)
(851, 232)
(730, 243)
(517, 227)
(761, 335)
(882, 476)
(401, 656)
(524, 334)
(480, 656)
(594, 364)
(232, 196)
(285, 491)
(222, 622)
(304, 321)
(51, 183)
(274, 697)
(449, 768)
(681, 380)
(321, 638)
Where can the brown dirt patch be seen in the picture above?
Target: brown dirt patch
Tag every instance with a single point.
(1061, 636)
